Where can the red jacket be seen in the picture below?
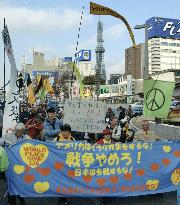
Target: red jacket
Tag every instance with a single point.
(34, 129)
(103, 141)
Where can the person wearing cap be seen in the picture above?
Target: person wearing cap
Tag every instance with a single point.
(65, 134)
(52, 125)
(106, 139)
(35, 127)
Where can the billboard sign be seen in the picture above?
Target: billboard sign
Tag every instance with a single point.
(47, 73)
(67, 59)
(104, 89)
(83, 55)
(163, 27)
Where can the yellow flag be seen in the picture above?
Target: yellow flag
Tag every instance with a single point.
(47, 86)
(97, 9)
(38, 78)
(31, 96)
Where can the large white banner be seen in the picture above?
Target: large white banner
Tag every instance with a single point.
(11, 112)
(85, 115)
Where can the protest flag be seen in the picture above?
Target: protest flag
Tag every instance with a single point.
(97, 9)
(39, 85)
(157, 98)
(11, 111)
(31, 96)
(28, 80)
(47, 86)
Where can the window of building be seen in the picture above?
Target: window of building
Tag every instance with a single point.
(164, 43)
(172, 44)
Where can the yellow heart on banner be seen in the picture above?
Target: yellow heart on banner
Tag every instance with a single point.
(175, 177)
(41, 187)
(32, 155)
(152, 184)
(166, 149)
(18, 169)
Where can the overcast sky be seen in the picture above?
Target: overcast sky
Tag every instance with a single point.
(51, 26)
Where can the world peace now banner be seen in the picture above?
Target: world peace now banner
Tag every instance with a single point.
(40, 169)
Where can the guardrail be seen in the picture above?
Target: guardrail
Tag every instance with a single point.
(169, 132)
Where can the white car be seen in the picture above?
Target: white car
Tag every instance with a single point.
(136, 104)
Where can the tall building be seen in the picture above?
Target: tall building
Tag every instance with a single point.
(100, 50)
(114, 78)
(134, 61)
(84, 63)
(100, 66)
(163, 44)
(42, 66)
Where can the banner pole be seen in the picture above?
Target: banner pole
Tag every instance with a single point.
(4, 71)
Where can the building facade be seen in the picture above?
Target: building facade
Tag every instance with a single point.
(163, 44)
(42, 66)
(134, 61)
(86, 68)
(84, 63)
(114, 78)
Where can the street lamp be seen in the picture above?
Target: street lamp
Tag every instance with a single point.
(146, 61)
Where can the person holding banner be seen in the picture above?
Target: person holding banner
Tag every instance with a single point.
(145, 134)
(17, 136)
(65, 134)
(106, 137)
(52, 125)
(3, 160)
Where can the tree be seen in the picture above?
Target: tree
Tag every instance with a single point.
(91, 80)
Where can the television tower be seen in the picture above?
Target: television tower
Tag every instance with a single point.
(100, 66)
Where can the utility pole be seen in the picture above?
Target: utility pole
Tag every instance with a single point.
(4, 71)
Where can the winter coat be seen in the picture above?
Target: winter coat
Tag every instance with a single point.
(52, 129)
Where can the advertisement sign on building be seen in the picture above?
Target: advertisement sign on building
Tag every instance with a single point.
(47, 73)
(83, 55)
(51, 75)
(163, 27)
(67, 59)
(104, 89)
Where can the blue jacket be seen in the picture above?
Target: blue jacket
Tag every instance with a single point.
(52, 130)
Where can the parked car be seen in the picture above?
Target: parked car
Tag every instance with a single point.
(175, 104)
(137, 104)
(137, 110)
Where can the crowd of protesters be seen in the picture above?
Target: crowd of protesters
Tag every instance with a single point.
(46, 124)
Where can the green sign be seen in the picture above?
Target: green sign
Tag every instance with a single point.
(104, 89)
(157, 98)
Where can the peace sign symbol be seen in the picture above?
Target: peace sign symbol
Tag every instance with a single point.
(155, 99)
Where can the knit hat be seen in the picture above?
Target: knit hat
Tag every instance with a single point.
(106, 132)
